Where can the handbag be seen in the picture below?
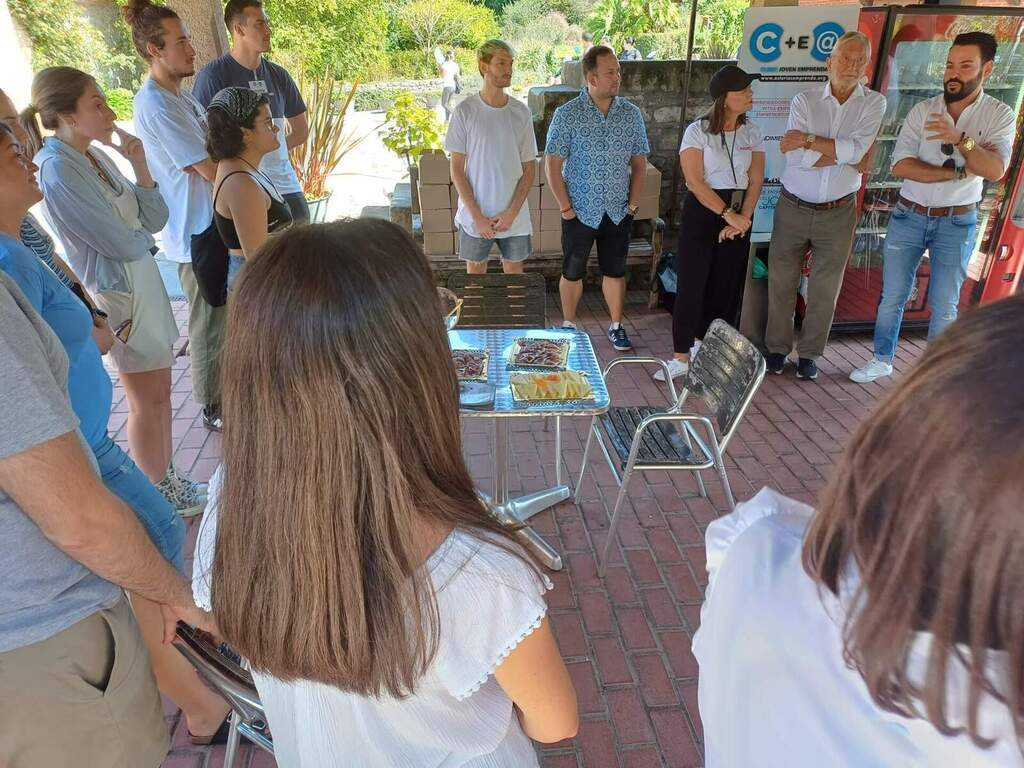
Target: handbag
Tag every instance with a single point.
(210, 265)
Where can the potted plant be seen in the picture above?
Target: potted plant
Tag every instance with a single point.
(412, 130)
(317, 158)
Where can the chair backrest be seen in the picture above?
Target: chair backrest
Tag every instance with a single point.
(500, 300)
(725, 373)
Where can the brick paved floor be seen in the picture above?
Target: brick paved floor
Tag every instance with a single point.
(626, 639)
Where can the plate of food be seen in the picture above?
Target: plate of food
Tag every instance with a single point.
(539, 353)
(470, 364)
(560, 385)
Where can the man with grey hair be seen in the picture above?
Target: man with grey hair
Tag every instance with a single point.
(493, 162)
(827, 146)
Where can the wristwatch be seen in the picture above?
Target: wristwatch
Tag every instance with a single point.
(633, 209)
(966, 143)
(809, 139)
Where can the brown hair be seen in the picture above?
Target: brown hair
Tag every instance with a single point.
(925, 509)
(341, 447)
(715, 116)
(55, 92)
(234, 9)
(146, 23)
(589, 60)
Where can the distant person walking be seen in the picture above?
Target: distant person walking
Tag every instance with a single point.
(629, 50)
(245, 66)
(494, 161)
(450, 84)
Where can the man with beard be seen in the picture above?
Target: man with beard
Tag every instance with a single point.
(172, 126)
(947, 147)
(494, 161)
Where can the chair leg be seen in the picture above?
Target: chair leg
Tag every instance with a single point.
(558, 449)
(231, 747)
(583, 464)
(602, 564)
(700, 480)
(720, 461)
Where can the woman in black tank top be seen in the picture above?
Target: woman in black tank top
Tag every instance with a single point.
(247, 206)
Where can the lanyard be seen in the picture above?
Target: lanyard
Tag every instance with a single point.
(729, 151)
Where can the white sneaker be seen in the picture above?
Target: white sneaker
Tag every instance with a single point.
(569, 324)
(676, 368)
(875, 369)
(187, 497)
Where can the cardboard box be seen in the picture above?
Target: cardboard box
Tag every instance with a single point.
(550, 221)
(533, 197)
(648, 207)
(434, 168)
(438, 243)
(547, 200)
(538, 177)
(536, 233)
(453, 197)
(437, 221)
(550, 242)
(434, 197)
(652, 180)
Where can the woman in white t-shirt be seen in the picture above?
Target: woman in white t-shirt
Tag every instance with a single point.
(722, 157)
(886, 628)
(388, 618)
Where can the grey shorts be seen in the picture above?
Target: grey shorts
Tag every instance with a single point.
(516, 248)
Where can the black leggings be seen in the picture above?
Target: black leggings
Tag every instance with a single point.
(711, 274)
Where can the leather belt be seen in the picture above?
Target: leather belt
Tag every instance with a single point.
(817, 206)
(946, 210)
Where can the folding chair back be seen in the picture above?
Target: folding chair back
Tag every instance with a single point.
(500, 300)
(725, 373)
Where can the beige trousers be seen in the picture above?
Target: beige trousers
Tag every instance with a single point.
(829, 237)
(205, 338)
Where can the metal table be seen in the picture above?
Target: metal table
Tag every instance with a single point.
(498, 343)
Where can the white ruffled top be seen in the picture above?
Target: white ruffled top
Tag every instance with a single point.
(774, 690)
(488, 601)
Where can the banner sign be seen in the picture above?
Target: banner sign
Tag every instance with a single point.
(788, 47)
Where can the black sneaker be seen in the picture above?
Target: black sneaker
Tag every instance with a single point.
(619, 339)
(212, 418)
(775, 362)
(806, 369)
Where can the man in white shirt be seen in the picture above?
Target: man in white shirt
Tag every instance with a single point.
(449, 83)
(172, 126)
(947, 147)
(493, 160)
(827, 147)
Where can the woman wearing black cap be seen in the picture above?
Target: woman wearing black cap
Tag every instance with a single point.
(722, 157)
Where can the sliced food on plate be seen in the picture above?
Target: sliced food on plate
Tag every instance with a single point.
(563, 385)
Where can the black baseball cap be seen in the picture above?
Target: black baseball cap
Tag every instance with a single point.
(729, 78)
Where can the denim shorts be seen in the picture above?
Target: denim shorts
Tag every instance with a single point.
(235, 264)
(515, 248)
(126, 481)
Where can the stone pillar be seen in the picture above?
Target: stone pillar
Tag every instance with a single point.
(205, 22)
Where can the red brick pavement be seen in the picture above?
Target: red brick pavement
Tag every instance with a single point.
(626, 638)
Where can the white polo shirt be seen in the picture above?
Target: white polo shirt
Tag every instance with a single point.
(853, 125)
(988, 121)
(716, 148)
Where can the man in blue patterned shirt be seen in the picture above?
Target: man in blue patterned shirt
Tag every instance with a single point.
(596, 160)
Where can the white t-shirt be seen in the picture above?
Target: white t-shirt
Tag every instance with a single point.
(496, 143)
(173, 131)
(449, 71)
(488, 602)
(742, 144)
(774, 690)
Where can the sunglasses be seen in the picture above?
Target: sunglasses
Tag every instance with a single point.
(947, 149)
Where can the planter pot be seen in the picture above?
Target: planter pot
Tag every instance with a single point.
(318, 208)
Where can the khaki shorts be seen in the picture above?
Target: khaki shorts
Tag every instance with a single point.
(84, 697)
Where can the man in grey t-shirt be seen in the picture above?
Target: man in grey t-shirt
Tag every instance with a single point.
(76, 686)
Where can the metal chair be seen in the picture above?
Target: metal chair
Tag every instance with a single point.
(724, 374)
(219, 665)
(500, 300)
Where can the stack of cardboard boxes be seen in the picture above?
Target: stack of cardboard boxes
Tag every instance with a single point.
(439, 202)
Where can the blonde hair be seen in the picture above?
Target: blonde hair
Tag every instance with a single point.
(854, 35)
(490, 47)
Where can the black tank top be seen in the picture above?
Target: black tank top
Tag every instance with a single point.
(279, 215)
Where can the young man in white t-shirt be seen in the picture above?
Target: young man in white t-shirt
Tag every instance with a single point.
(172, 126)
(493, 161)
(449, 83)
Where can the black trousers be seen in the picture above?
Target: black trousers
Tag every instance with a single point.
(711, 273)
(298, 206)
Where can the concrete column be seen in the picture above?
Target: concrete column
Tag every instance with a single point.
(205, 22)
(17, 81)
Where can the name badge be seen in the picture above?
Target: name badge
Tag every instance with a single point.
(259, 86)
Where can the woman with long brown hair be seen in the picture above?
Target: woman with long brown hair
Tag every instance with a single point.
(886, 627)
(388, 618)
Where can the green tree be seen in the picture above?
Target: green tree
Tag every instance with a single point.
(522, 13)
(412, 128)
(59, 32)
(629, 18)
(428, 24)
(719, 29)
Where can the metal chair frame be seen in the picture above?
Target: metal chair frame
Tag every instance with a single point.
(711, 445)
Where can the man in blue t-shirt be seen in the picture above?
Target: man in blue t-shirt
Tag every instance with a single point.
(244, 66)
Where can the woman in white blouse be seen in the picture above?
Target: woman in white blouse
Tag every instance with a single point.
(722, 157)
(389, 620)
(885, 628)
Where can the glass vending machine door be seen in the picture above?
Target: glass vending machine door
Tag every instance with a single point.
(911, 71)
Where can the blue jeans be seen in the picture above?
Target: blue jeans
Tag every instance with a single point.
(126, 481)
(949, 241)
(235, 264)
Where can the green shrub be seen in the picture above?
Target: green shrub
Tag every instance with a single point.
(430, 24)
(120, 100)
(522, 13)
(368, 99)
(412, 128)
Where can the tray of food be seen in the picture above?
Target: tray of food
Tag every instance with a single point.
(539, 353)
(561, 385)
(470, 364)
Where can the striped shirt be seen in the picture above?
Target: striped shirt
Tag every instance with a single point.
(35, 238)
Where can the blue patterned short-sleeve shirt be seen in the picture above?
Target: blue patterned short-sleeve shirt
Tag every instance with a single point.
(597, 150)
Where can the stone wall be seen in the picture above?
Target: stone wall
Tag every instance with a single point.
(657, 88)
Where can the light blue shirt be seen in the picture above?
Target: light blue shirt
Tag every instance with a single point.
(597, 149)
